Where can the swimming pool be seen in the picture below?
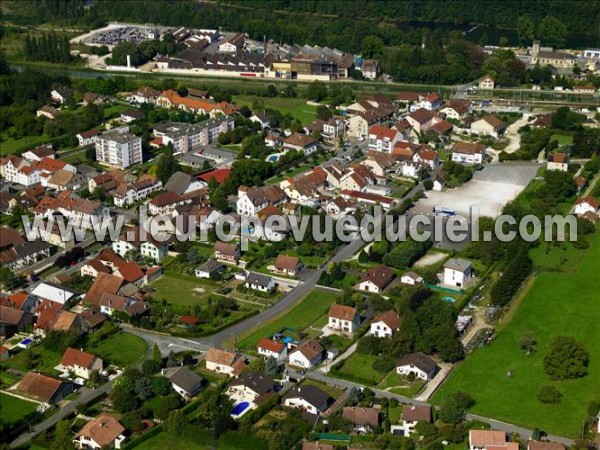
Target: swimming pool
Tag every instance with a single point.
(449, 299)
(25, 342)
(239, 409)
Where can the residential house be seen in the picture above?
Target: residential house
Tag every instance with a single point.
(308, 398)
(456, 109)
(317, 445)
(36, 154)
(417, 363)
(385, 324)
(262, 119)
(306, 188)
(366, 198)
(225, 362)
(586, 204)
(376, 279)
(250, 201)
(171, 99)
(558, 161)
(488, 125)
(127, 194)
(427, 157)
(411, 278)
(442, 128)
(301, 142)
(92, 319)
(228, 252)
(307, 354)
(339, 206)
(370, 69)
(44, 388)
(486, 83)
(380, 164)
(468, 152)
(536, 445)
(164, 204)
(104, 432)
(21, 255)
(411, 416)
(343, 318)
(252, 387)
(81, 363)
(104, 283)
(333, 130)
(382, 139)
(287, 265)
(68, 322)
(430, 102)
(91, 98)
(259, 282)
(210, 269)
(13, 321)
(363, 419)
(145, 94)
(62, 94)
(184, 381)
(484, 439)
(130, 306)
(131, 115)
(88, 137)
(48, 112)
(272, 349)
(10, 167)
(131, 272)
(23, 301)
(457, 272)
(64, 180)
(421, 120)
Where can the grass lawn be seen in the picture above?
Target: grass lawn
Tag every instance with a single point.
(15, 409)
(557, 304)
(9, 146)
(180, 291)
(114, 110)
(313, 306)
(34, 358)
(394, 413)
(297, 107)
(121, 349)
(562, 139)
(360, 366)
(164, 440)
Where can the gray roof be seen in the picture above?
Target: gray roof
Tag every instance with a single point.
(192, 158)
(419, 360)
(458, 264)
(210, 266)
(258, 382)
(218, 153)
(258, 279)
(118, 136)
(184, 378)
(311, 394)
(178, 183)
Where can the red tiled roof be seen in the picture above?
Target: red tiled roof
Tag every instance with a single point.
(131, 271)
(219, 175)
(342, 312)
(589, 200)
(73, 357)
(270, 345)
(382, 132)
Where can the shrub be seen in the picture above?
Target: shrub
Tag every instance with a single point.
(549, 394)
(566, 359)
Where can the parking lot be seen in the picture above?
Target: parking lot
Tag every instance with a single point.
(490, 189)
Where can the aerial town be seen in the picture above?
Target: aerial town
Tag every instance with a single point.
(157, 159)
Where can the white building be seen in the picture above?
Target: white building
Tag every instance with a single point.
(384, 325)
(486, 83)
(307, 355)
(81, 363)
(119, 149)
(309, 398)
(586, 204)
(468, 152)
(272, 349)
(104, 432)
(383, 139)
(343, 318)
(418, 364)
(457, 272)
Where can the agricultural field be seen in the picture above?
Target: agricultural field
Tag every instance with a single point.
(558, 303)
(300, 317)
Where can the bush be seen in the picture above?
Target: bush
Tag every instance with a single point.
(384, 364)
(428, 185)
(566, 359)
(549, 394)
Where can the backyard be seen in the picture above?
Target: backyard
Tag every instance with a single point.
(121, 349)
(556, 302)
(301, 316)
(15, 409)
(296, 107)
(182, 291)
(360, 367)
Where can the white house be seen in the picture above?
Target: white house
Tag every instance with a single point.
(88, 137)
(385, 324)
(468, 152)
(411, 278)
(486, 83)
(259, 282)
(411, 416)
(417, 363)
(184, 381)
(343, 318)
(306, 355)
(488, 125)
(104, 432)
(262, 119)
(250, 201)
(81, 363)
(221, 361)
(251, 387)
(383, 139)
(272, 349)
(457, 272)
(558, 161)
(586, 204)
(482, 439)
(376, 279)
(308, 398)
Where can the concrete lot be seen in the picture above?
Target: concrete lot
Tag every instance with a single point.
(490, 189)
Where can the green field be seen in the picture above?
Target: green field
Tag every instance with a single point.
(34, 358)
(360, 366)
(14, 409)
(9, 146)
(297, 107)
(333, 392)
(311, 308)
(114, 110)
(562, 139)
(180, 290)
(121, 349)
(164, 440)
(557, 304)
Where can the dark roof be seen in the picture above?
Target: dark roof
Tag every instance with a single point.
(178, 183)
(258, 382)
(311, 394)
(380, 276)
(186, 379)
(419, 360)
(211, 266)
(258, 279)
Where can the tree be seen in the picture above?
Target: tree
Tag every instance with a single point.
(62, 437)
(549, 394)
(316, 91)
(528, 342)
(552, 31)
(451, 411)
(525, 30)
(150, 367)
(566, 359)
(372, 47)
(156, 355)
(271, 91)
(245, 111)
(166, 165)
(428, 184)
(324, 113)
(176, 423)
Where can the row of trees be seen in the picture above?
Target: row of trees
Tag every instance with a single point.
(48, 47)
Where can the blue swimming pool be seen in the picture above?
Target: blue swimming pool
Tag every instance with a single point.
(449, 299)
(26, 341)
(273, 158)
(239, 408)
